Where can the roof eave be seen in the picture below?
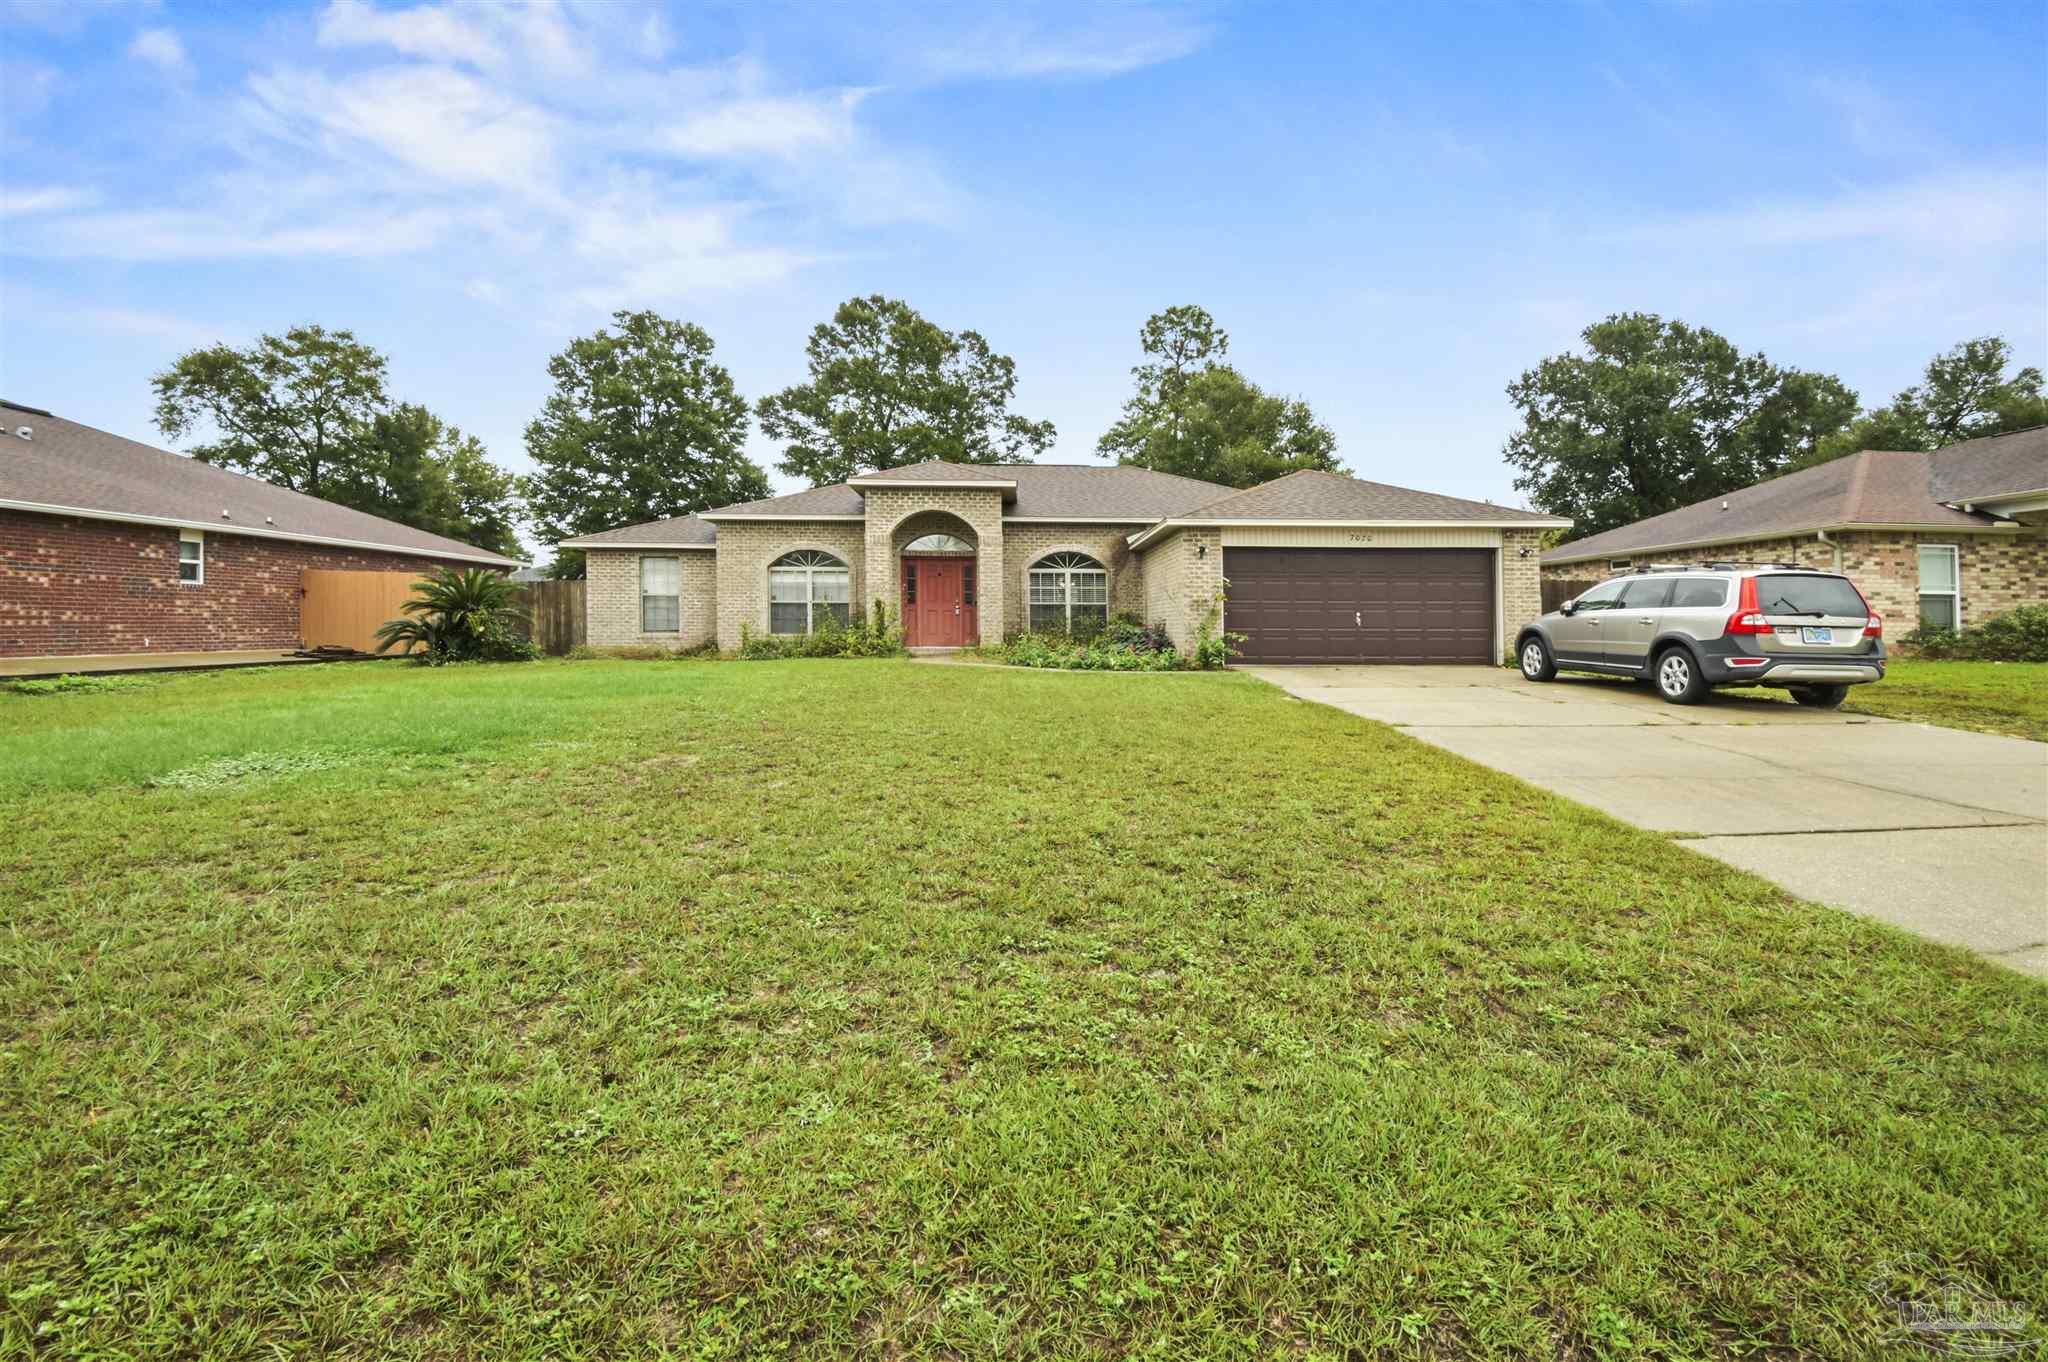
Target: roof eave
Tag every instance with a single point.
(1150, 532)
(257, 532)
(715, 517)
(625, 544)
(1560, 556)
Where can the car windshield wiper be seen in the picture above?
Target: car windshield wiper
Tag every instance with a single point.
(1810, 614)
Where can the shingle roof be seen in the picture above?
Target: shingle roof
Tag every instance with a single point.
(838, 499)
(1311, 494)
(67, 466)
(1875, 487)
(1061, 491)
(683, 531)
(941, 470)
(1993, 466)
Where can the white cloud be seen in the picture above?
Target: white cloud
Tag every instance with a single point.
(446, 125)
(1962, 211)
(770, 126)
(429, 31)
(195, 234)
(161, 48)
(21, 203)
(1109, 41)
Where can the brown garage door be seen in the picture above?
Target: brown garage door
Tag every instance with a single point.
(1361, 605)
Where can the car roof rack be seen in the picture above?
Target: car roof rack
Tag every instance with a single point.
(1736, 565)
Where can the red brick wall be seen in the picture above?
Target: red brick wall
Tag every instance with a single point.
(70, 586)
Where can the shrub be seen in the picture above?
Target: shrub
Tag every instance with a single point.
(460, 615)
(70, 684)
(867, 633)
(2018, 635)
(1123, 645)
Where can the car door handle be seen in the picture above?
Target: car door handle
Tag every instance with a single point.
(1644, 619)
(1593, 624)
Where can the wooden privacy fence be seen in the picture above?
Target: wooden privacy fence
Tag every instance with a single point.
(555, 612)
(1556, 593)
(340, 609)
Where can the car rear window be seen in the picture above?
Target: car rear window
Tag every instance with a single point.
(1787, 594)
(1696, 593)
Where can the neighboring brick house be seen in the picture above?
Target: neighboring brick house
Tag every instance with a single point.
(110, 546)
(1316, 567)
(1947, 538)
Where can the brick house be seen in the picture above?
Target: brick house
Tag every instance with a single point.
(110, 546)
(1319, 567)
(1947, 538)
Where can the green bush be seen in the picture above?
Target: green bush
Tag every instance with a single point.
(460, 615)
(1123, 645)
(2018, 635)
(868, 633)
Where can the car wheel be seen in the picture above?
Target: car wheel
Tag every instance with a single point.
(1820, 697)
(1678, 678)
(1537, 664)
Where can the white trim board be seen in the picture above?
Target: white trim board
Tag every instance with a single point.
(254, 532)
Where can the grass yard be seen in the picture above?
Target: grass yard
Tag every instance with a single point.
(1990, 697)
(878, 1009)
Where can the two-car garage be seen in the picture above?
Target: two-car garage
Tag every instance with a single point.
(1363, 604)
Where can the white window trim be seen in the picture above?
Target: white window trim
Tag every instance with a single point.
(1066, 576)
(1955, 580)
(646, 595)
(191, 537)
(810, 573)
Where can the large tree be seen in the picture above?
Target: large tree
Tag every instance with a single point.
(889, 388)
(286, 409)
(642, 425)
(1196, 416)
(414, 468)
(1658, 415)
(1964, 393)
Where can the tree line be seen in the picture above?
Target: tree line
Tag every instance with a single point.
(642, 423)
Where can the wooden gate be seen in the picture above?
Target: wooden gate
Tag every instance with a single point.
(339, 609)
(556, 612)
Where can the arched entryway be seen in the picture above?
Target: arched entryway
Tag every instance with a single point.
(939, 573)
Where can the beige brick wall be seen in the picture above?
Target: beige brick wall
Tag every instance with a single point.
(746, 548)
(612, 598)
(980, 509)
(1024, 545)
(1521, 583)
(1183, 579)
(1997, 572)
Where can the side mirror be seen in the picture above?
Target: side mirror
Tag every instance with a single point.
(1569, 607)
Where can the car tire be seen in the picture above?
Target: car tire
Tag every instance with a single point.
(1535, 660)
(1678, 679)
(1820, 697)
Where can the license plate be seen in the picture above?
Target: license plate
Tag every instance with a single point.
(1816, 633)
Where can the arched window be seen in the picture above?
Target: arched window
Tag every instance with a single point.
(1069, 594)
(938, 543)
(804, 589)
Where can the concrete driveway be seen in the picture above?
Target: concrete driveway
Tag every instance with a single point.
(1935, 830)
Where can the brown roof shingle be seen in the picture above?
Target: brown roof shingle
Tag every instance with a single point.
(1991, 467)
(66, 466)
(683, 532)
(1875, 487)
(1311, 494)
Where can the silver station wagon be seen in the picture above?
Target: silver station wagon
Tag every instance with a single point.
(1688, 629)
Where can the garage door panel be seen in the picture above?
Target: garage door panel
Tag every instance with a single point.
(1362, 605)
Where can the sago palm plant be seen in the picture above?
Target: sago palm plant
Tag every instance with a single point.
(460, 615)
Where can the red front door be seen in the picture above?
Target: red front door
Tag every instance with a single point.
(938, 603)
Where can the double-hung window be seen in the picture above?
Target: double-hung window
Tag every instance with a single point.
(191, 557)
(1941, 603)
(661, 601)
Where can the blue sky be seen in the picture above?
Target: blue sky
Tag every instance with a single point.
(1393, 209)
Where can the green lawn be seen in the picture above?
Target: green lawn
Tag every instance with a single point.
(1991, 697)
(878, 1009)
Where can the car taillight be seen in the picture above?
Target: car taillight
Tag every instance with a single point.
(1747, 661)
(1874, 626)
(1747, 619)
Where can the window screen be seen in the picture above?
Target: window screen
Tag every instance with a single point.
(661, 595)
(192, 560)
